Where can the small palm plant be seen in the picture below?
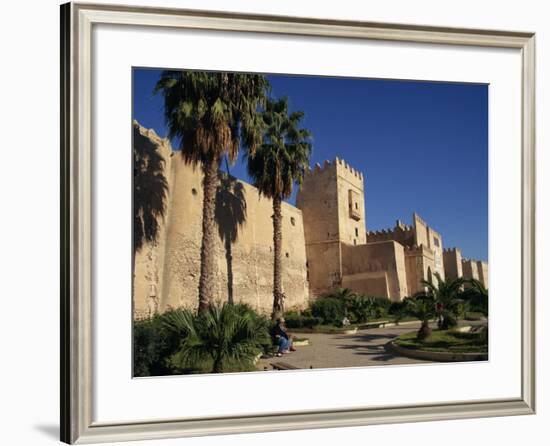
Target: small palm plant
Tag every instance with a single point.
(226, 334)
(477, 296)
(446, 294)
(422, 307)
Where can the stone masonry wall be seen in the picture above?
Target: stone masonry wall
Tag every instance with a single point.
(244, 246)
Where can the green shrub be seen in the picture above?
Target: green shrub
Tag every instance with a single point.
(153, 344)
(300, 321)
(329, 309)
(380, 306)
(221, 338)
(398, 311)
(359, 308)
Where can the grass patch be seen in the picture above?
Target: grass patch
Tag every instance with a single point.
(444, 341)
(473, 316)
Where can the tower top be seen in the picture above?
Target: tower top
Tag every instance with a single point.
(337, 164)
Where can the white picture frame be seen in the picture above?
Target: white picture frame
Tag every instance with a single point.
(77, 45)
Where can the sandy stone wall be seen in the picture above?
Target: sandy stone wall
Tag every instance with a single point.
(420, 265)
(332, 201)
(483, 273)
(244, 250)
(325, 243)
(401, 233)
(149, 261)
(452, 260)
(319, 202)
(351, 204)
(469, 269)
(377, 269)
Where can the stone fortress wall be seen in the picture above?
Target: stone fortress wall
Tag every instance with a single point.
(166, 274)
(325, 243)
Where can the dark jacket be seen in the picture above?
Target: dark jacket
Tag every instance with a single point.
(280, 331)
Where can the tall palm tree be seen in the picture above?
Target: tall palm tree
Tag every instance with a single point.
(211, 114)
(446, 294)
(275, 166)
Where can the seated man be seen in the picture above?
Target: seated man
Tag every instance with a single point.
(282, 338)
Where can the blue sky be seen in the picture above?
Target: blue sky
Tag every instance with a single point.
(422, 146)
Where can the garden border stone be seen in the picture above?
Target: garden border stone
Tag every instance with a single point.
(435, 356)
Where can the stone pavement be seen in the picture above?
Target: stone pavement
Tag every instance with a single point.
(364, 348)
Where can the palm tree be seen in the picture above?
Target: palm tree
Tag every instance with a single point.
(422, 307)
(225, 335)
(477, 296)
(275, 166)
(446, 294)
(211, 114)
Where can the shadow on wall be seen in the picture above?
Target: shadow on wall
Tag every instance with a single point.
(230, 215)
(150, 190)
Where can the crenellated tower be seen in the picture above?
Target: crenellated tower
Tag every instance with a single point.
(332, 200)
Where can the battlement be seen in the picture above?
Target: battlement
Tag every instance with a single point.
(151, 134)
(419, 219)
(333, 165)
(454, 249)
(401, 233)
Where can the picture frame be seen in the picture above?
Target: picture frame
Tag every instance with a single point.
(77, 389)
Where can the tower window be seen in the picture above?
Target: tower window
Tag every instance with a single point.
(354, 241)
(353, 204)
(292, 221)
(194, 191)
(356, 232)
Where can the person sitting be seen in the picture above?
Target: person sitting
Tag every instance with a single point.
(282, 338)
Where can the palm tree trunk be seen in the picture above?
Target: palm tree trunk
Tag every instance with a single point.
(277, 247)
(229, 263)
(206, 281)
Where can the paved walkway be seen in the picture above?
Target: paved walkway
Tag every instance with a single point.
(364, 348)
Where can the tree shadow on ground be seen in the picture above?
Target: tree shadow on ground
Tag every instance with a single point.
(369, 337)
(230, 214)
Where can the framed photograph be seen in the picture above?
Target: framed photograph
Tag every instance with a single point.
(274, 223)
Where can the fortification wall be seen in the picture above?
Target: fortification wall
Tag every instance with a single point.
(452, 259)
(351, 204)
(420, 265)
(332, 201)
(483, 273)
(244, 246)
(318, 201)
(364, 266)
(148, 267)
(469, 269)
(401, 233)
